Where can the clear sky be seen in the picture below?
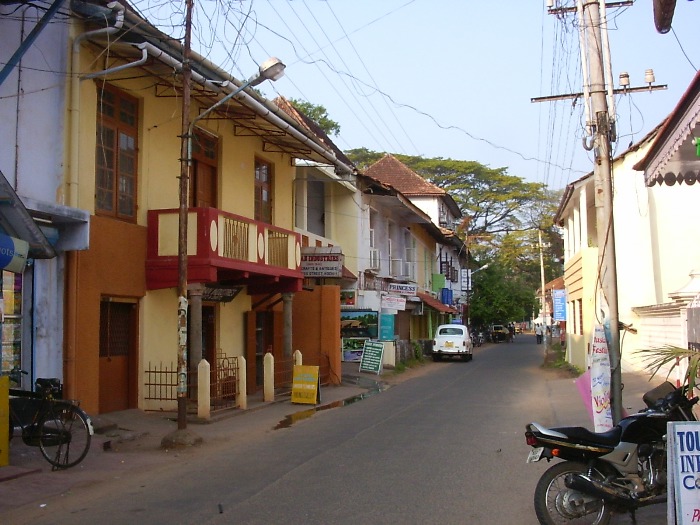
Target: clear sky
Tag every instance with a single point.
(449, 78)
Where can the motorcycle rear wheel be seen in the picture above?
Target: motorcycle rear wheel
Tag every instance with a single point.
(555, 503)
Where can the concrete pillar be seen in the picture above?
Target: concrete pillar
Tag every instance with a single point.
(241, 378)
(203, 390)
(287, 335)
(195, 295)
(269, 377)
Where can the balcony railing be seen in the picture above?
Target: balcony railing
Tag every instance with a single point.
(221, 248)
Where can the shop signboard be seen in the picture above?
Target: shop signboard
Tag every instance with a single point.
(372, 356)
(306, 385)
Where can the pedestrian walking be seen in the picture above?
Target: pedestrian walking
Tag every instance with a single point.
(538, 333)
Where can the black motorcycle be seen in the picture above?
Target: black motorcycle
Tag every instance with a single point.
(603, 473)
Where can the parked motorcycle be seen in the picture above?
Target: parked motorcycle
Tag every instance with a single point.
(603, 473)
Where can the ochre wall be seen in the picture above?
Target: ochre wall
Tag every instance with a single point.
(316, 327)
(113, 266)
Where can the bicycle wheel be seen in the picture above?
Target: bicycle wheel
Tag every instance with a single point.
(65, 432)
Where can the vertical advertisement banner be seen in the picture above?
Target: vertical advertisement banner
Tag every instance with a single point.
(600, 381)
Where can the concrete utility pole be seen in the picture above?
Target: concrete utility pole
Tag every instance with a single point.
(543, 295)
(592, 21)
(598, 95)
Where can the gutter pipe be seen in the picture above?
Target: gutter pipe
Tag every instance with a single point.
(255, 105)
(72, 190)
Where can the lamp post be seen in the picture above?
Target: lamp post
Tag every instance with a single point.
(271, 69)
(469, 291)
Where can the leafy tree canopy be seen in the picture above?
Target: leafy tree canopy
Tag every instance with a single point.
(504, 216)
(318, 114)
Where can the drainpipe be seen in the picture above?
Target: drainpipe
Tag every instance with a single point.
(71, 199)
(116, 69)
(72, 183)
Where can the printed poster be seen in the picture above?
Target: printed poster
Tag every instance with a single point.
(600, 381)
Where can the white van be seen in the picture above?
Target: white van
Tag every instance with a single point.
(452, 340)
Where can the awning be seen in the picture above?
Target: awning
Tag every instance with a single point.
(15, 221)
(435, 304)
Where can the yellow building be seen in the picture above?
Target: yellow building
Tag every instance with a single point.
(125, 144)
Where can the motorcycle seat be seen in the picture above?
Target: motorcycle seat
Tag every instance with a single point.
(585, 436)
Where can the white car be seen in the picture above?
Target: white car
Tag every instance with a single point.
(452, 340)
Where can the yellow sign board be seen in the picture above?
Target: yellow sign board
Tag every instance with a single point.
(4, 421)
(306, 385)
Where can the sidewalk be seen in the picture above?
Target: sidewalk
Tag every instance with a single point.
(132, 439)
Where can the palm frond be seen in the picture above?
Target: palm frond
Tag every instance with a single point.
(673, 356)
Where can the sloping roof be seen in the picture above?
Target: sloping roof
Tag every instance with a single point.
(673, 149)
(15, 221)
(312, 127)
(435, 304)
(391, 170)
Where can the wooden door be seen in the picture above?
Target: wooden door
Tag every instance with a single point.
(117, 356)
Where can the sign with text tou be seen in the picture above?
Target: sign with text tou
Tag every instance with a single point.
(372, 357)
(683, 449)
(306, 385)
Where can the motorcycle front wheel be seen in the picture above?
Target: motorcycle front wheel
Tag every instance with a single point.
(555, 503)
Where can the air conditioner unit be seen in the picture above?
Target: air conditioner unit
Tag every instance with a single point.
(373, 259)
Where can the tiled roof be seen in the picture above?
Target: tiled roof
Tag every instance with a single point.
(392, 171)
(312, 127)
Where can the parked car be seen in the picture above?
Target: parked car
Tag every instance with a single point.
(499, 333)
(452, 340)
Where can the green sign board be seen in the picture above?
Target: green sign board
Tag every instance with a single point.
(372, 357)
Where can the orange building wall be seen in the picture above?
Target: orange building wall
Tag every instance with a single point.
(316, 328)
(113, 266)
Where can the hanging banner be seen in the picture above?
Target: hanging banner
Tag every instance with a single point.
(600, 381)
(559, 305)
(13, 253)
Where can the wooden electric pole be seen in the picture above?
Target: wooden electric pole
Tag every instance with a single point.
(182, 225)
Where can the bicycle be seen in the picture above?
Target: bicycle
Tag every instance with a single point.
(60, 428)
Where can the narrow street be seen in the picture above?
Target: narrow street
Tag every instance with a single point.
(445, 446)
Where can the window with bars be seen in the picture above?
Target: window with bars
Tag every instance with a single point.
(115, 328)
(116, 153)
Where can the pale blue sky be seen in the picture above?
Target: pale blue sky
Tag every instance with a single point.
(449, 78)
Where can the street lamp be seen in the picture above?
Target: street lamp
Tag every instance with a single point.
(469, 290)
(271, 69)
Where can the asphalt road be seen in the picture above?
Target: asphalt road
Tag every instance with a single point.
(445, 447)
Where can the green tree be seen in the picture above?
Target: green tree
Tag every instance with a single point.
(318, 114)
(500, 296)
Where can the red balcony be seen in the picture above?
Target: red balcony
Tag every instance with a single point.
(225, 249)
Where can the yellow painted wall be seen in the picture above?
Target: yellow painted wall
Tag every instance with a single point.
(158, 188)
(579, 278)
(425, 255)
